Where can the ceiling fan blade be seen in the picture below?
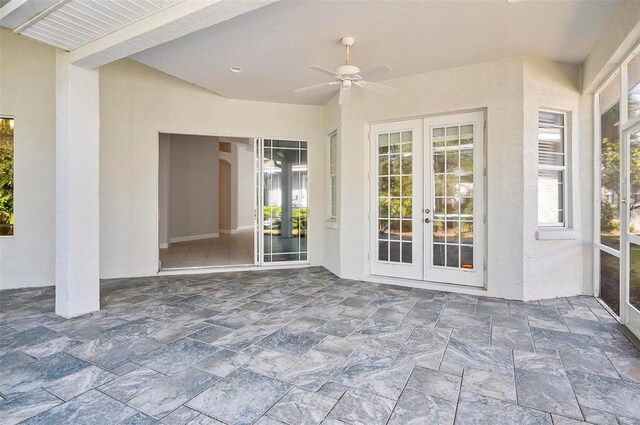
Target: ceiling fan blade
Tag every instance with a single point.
(345, 96)
(324, 71)
(316, 86)
(374, 70)
(368, 85)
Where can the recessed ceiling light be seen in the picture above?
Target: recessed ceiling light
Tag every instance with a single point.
(235, 69)
(513, 1)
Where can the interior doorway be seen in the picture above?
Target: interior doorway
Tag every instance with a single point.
(207, 201)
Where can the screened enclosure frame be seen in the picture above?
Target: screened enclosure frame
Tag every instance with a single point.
(625, 123)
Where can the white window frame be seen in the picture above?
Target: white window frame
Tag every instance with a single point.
(565, 169)
(332, 181)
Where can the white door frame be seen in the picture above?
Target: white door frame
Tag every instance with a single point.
(411, 270)
(260, 204)
(629, 315)
(475, 278)
(459, 276)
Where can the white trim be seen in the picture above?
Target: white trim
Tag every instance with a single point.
(194, 237)
(329, 207)
(564, 169)
(163, 245)
(236, 230)
(555, 234)
(227, 269)
(331, 223)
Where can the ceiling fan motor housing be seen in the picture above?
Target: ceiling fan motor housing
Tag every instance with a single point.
(347, 70)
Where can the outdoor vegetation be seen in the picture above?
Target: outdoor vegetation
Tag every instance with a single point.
(6, 176)
(273, 217)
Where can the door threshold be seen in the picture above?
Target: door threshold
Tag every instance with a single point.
(227, 269)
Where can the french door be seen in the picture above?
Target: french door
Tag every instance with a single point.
(630, 225)
(428, 199)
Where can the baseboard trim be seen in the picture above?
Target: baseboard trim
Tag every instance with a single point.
(163, 245)
(194, 237)
(234, 231)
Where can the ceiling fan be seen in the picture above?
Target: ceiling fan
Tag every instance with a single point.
(349, 75)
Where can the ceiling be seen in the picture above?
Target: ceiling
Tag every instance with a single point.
(276, 43)
(69, 24)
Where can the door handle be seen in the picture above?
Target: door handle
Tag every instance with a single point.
(427, 220)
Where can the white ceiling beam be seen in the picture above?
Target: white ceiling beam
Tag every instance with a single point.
(168, 24)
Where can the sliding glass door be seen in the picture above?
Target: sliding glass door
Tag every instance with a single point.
(284, 201)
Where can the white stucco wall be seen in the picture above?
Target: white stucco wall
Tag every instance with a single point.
(553, 268)
(496, 86)
(244, 171)
(137, 103)
(27, 91)
(332, 231)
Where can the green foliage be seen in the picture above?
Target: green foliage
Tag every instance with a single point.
(6, 176)
(298, 218)
(607, 215)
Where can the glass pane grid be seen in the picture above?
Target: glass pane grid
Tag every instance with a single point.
(395, 196)
(285, 200)
(453, 212)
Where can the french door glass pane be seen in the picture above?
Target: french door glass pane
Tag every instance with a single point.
(285, 200)
(610, 281)
(395, 192)
(453, 212)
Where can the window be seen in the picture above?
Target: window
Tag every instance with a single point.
(552, 169)
(6, 176)
(333, 176)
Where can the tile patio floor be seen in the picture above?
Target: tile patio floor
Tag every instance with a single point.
(303, 347)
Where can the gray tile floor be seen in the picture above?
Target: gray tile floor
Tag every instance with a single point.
(304, 347)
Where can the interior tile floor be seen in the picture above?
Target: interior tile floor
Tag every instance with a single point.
(301, 346)
(225, 250)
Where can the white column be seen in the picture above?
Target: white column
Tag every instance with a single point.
(77, 188)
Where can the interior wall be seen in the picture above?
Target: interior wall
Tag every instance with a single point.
(245, 171)
(164, 188)
(194, 188)
(554, 267)
(496, 86)
(27, 92)
(138, 102)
